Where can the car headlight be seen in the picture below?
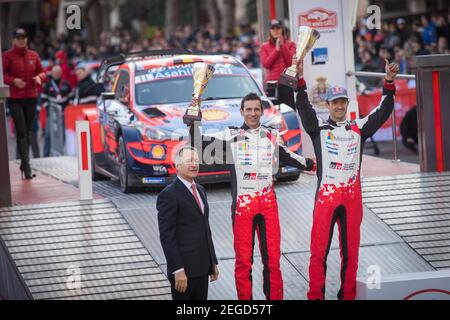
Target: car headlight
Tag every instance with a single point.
(276, 122)
(153, 134)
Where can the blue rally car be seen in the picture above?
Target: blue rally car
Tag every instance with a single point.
(138, 123)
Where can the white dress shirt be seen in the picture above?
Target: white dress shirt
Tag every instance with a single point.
(189, 186)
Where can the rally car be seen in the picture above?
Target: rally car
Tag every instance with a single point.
(138, 125)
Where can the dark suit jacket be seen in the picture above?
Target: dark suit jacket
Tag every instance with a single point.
(184, 231)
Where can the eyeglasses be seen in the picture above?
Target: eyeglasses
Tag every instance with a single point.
(21, 37)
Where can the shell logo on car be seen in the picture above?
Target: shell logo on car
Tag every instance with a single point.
(215, 115)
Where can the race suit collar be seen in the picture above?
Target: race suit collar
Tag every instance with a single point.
(246, 127)
(336, 124)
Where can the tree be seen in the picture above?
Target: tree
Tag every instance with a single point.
(214, 14)
(172, 16)
(228, 13)
(95, 20)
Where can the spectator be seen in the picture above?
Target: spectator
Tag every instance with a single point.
(403, 31)
(429, 34)
(399, 40)
(385, 53)
(442, 28)
(249, 57)
(87, 90)
(276, 55)
(442, 46)
(67, 70)
(393, 38)
(23, 72)
(400, 59)
(408, 129)
(58, 91)
(418, 49)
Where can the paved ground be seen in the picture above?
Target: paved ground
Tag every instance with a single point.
(380, 244)
(392, 248)
(53, 244)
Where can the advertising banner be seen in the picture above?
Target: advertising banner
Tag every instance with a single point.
(332, 56)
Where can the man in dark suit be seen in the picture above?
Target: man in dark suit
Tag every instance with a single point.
(185, 234)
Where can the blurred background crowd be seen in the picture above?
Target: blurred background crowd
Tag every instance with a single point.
(398, 40)
(407, 29)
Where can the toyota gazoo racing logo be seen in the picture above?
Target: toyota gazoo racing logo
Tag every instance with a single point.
(342, 166)
(336, 165)
(318, 18)
(250, 176)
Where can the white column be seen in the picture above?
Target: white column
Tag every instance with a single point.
(84, 160)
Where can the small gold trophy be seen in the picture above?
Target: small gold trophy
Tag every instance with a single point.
(202, 73)
(306, 39)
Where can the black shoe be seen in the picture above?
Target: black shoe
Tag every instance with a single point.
(25, 168)
(26, 171)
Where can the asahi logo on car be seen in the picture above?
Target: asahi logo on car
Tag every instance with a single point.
(318, 18)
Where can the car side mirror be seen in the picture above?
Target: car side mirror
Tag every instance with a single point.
(272, 91)
(108, 96)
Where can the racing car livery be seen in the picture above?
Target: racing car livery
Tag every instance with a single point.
(138, 124)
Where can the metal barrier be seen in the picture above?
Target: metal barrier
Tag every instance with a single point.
(55, 123)
(394, 120)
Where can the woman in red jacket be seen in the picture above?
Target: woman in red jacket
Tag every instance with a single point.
(23, 72)
(276, 55)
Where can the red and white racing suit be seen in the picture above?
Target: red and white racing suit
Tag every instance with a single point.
(254, 154)
(338, 148)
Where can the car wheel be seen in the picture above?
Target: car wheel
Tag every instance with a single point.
(95, 175)
(289, 178)
(123, 168)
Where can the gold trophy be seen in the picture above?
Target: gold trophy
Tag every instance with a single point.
(202, 73)
(306, 39)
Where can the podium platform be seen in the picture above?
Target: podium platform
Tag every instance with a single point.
(405, 230)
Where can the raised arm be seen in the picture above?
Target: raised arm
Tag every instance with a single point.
(305, 109)
(372, 122)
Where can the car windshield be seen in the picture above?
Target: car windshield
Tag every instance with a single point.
(175, 84)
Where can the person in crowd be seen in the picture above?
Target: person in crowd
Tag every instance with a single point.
(276, 55)
(408, 129)
(87, 90)
(56, 91)
(23, 72)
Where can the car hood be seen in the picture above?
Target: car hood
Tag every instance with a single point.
(216, 115)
